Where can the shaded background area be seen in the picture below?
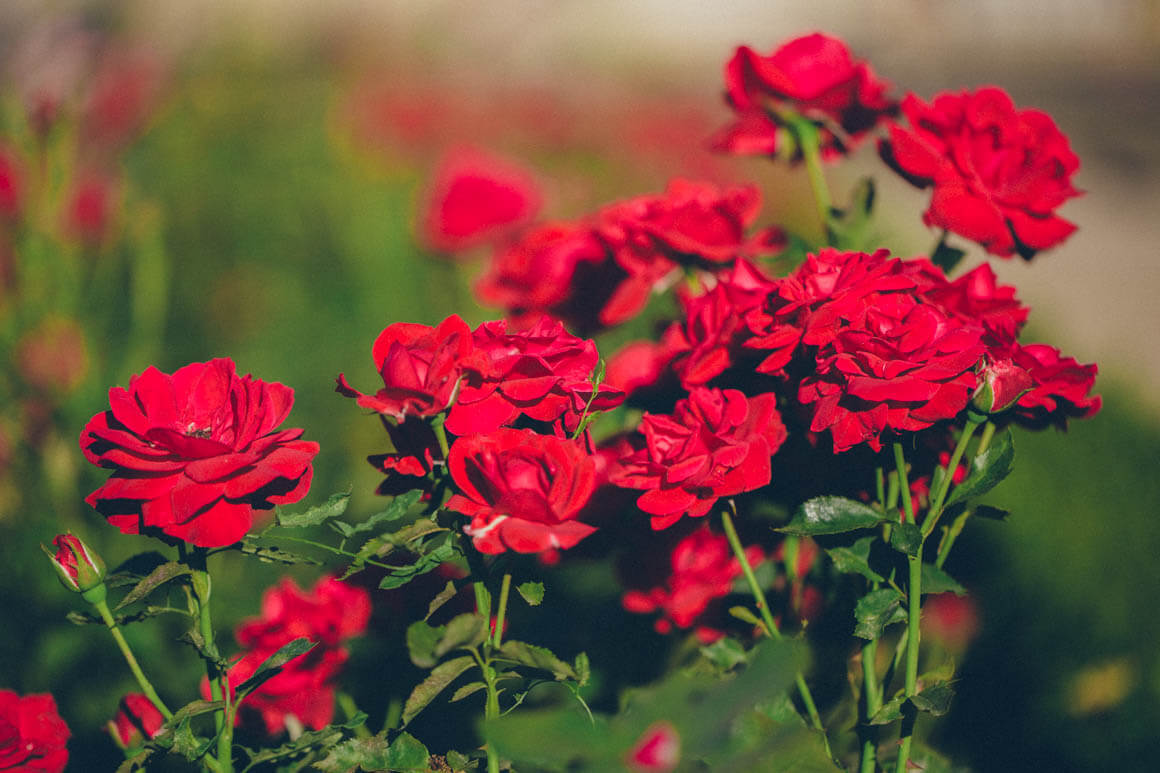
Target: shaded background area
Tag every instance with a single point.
(264, 210)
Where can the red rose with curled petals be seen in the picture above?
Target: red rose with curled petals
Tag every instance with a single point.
(716, 444)
(544, 373)
(1061, 387)
(422, 368)
(901, 365)
(196, 452)
(137, 719)
(303, 692)
(33, 737)
(814, 76)
(522, 490)
(538, 273)
(998, 173)
(703, 568)
(710, 338)
(978, 296)
(476, 198)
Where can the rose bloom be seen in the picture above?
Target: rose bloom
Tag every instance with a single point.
(422, 368)
(137, 719)
(90, 208)
(543, 373)
(717, 443)
(194, 453)
(703, 568)
(32, 734)
(658, 750)
(998, 173)
(329, 614)
(10, 184)
(522, 490)
(815, 76)
(476, 198)
(1061, 387)
(950, 620)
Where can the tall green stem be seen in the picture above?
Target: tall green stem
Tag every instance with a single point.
(903, 483)
(871, 702)
(767, 618)
(806, 135)
(146, 687)
(501, 611)
(940, 496)
(218, 680)
(913, 637)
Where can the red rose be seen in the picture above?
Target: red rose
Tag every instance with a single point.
(416, 449)
(977, 296)
(1061, 387)
(950, 620)
(544, 373)
(716, 444)
(422, 368)
(637, 365)
(137, 719)
(998, 173)
(900, 364)
(703, 568)
(303, 692)
(522, 490)
(90, 208)
(32, 734)
(658, 750)
(814, 76)
(691, 223)
(476, 198)
(709, 339)
(196, 452)
(539, 273)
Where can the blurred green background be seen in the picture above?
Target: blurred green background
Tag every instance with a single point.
(264, 210)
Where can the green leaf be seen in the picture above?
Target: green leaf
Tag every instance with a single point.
(537, 657)
(891, 711)
(946, 257)
(272, 665)
(422, 639)
(745, 615)
(906, 538)
(468, 689)
(334, 506)
(876, 610)
(855, 559)
(356, 754)
(467, 630)
(583, 670)
(154, 580)
(459, 761)
(445, 595)
(325, 738)
(725, 653)
(136, 762)
(934, 700)
(193, 638)
(994, 513)
(193, 709)
(987, 469)
(831, 515)
(935, 580)
(398, 508)
(276, 555)
(438, 680)
(87, 618)
(407, 754)
(532, 592)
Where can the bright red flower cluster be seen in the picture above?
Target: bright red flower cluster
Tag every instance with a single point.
(32, 734)
(329, 614)
(196, 452)
(602, 271)
(702, 569)
(998, 173)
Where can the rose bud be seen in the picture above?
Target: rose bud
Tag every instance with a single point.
(137, 719)
(1001, 384)
(79, 568)
(657, 751)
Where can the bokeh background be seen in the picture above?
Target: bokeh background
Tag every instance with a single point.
(242, 179)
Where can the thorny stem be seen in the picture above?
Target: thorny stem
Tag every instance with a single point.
(218, 681)
(146, 686)
(767, 617)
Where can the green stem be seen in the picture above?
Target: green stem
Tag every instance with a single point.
(806, 135)
(880, 485)
(948, 475)
(767, 617)
(218, 680)
(952, 534)
(872, 702)
(903, 483)
(913, 618)
(985, 438)
(134, 666)
(501, 611)
(440, 434)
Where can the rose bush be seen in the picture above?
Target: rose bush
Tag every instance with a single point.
(195, 453)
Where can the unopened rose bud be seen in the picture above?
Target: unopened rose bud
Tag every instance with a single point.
(79, 568)
(1001, 384)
